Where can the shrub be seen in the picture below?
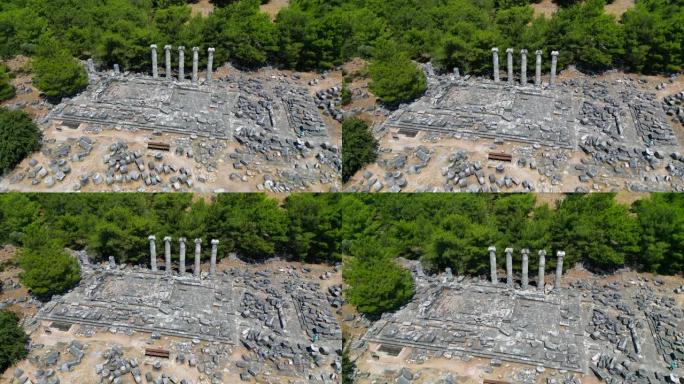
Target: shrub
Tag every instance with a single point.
(19, 136)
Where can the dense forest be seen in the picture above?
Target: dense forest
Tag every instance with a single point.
(455, 231)
(319, 34)
(302, 227)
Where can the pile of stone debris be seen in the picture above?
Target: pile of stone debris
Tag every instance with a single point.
(330, 101)
(673, 105)
(612, 370)
(266, 338)
(45, 374)
(58, 167)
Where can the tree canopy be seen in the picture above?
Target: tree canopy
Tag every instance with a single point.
(13, 340)
(19, 136)
(359, 147)
(376, 283)
(303, 227)
(7, 90)
(313, 34)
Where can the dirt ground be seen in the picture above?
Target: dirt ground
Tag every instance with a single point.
(548, 7)
(10, 272)
(134, 345)
(202, 7)
(273, 7)
(544, 7)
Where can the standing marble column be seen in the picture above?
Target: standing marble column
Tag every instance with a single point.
(198, 253)
(542, 268)
(167, 49)
(90, 65)
(117, 71)
(153, 253)
(212, 266)
(554, 64)
(155, 70)
(523, 66)
(210, 63)
(495, 63)
(167, 253)
(509, 267)
(195, 63)
(181, 256)
(509, 63)
(492, 264)
(181, 63)
(537, 68)
(525, 266)
(559, 269)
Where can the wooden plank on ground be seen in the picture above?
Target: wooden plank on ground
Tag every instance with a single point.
(157, 352)
(500, 156)
(158, 146)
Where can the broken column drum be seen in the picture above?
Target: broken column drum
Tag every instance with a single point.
(195, 63)
(495, 63)
(210, 63)
(525, 265)
(212, 266)
(167, 253)
(523, 66)
(198, 253)
(554, 64)
(509, 267)
(155, 70)
(509, 63)
(181, 63)
(153, 253)
(559, 269)
(181, 257)
(537, 68)
(167, 49)
(492, 264)
(542, 267)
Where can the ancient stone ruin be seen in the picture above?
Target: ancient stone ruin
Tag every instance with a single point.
(276, 315)
(617, 332)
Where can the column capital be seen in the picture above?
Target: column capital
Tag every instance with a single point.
(168, 47)
(182, 239)
(153, 46)
(560, 254)
(525, 251)
(151, 237)
(523, 51)
(212, 50)
(538, 52)
(167, 238)
(492, 249)
(181, 48)
(495, 50)
(542, 252)
(198, 241)
(508, 250)
(555, 53)
(214, 242)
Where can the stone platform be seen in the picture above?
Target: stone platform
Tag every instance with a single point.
(217, 109)
(490, 321)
